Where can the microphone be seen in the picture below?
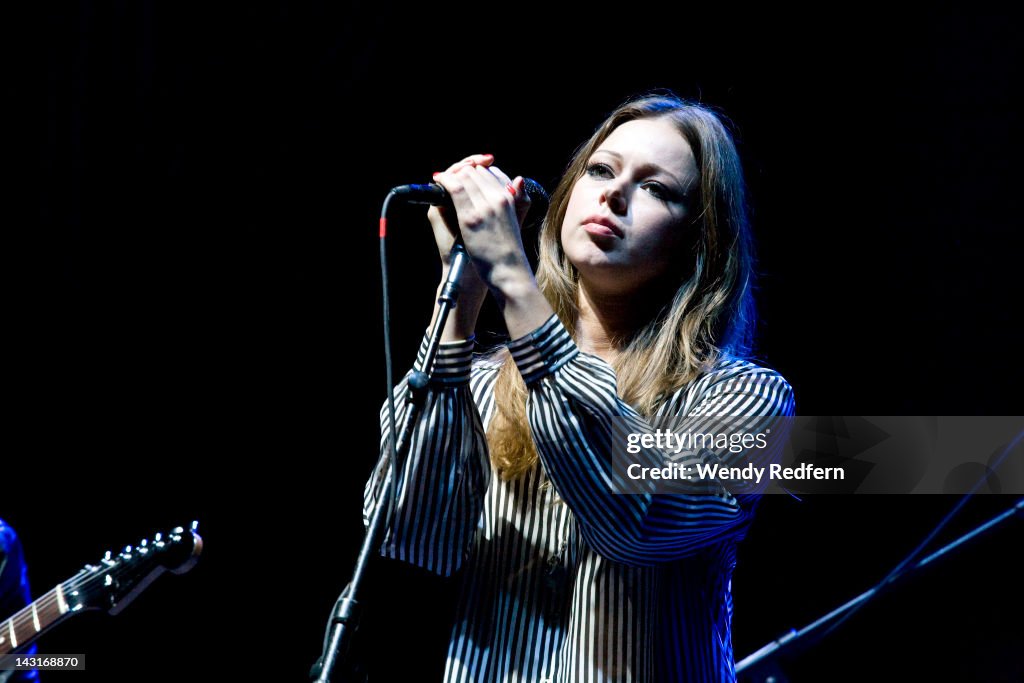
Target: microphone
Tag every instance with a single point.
(436, 195)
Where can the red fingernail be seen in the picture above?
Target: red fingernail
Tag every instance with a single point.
(510, 188)
(436, 173)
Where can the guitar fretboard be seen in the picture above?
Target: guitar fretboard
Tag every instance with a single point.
(29, 622)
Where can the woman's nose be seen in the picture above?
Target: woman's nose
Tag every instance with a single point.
(614, 195)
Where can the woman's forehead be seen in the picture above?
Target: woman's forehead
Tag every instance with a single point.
(651, 141)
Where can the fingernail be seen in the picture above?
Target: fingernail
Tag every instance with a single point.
(436, 173)
(511, 188)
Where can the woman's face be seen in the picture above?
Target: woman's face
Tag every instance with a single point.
(627, 216)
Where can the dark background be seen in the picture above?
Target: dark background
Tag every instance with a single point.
(193, 304)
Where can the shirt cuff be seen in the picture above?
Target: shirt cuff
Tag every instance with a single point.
(543, 351)
(452, 364)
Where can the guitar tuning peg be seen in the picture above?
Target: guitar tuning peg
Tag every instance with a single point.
(177, 530)
(158, 537)
(195, 525)
(143, 543)
(127, 550)
(106, 556)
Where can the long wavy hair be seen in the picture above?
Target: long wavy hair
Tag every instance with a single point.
(709, 314)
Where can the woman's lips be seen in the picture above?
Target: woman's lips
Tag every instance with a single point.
(601, 226)
(599, 230)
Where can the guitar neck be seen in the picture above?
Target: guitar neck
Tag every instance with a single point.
(28, 623)
(108, 585)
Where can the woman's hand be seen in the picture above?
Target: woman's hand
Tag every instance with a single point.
(462, 321)
(446, 229)
(490, 209)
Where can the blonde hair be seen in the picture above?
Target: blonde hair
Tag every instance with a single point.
(710, 312)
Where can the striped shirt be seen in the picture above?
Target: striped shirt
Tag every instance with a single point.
(563, 580)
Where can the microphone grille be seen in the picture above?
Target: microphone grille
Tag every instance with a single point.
(535, 190)
(538, 200)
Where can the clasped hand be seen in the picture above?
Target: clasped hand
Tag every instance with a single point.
(490, 209)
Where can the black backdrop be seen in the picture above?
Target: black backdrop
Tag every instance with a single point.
(193, 302)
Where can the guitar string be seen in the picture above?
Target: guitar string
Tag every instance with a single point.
(47, 601)
(44, 603)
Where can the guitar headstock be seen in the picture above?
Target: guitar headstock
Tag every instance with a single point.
(118, 578)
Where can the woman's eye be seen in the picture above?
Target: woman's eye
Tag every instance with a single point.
(598, 170)
(658, 191)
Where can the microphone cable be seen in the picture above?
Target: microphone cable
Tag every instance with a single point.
(388, 361)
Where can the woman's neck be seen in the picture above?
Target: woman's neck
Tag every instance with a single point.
(606, 322)
(609, 317)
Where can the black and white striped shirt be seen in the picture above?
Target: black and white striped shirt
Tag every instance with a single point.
(562, 579)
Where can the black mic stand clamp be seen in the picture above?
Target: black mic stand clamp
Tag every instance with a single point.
(345, 619)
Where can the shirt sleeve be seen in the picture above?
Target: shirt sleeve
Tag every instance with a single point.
(571, 407)
(443, 478)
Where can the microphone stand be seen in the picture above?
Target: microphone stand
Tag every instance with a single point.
(345, 619)
(768, 672)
